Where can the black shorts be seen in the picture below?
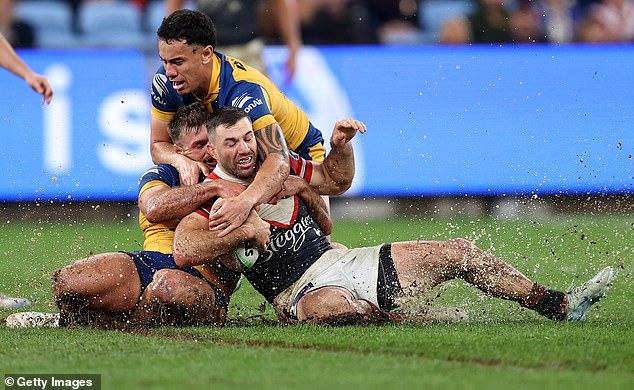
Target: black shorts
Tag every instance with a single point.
(388, 288)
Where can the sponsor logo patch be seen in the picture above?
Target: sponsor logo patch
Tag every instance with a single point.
(159, 88)
(246, 102)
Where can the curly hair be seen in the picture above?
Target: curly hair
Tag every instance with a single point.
(193, 27)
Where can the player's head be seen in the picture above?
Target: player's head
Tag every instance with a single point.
(188, 130)
(191, 27)
(186, 46)
(232, 142)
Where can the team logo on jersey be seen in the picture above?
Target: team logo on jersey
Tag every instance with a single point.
(246, 102)
(159, 88)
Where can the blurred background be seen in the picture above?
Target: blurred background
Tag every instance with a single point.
(473, 106)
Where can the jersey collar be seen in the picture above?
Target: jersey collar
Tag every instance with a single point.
(223, 175)
(214, 83)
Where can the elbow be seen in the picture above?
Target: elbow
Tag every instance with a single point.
(154, 152)
(342, 187)
(327, 228)
(180, 253)
(345, 181)
(152, 214)
(180, 258)
(335, 188)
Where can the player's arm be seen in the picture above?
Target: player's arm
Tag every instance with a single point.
(14, 64)
(163, 151)
(173, 5)
(163, 203)
(268, 181)
(195, 244)
(287, 17)
(315, 204)
(333, 176)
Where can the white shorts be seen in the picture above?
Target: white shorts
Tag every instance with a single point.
(355, 269)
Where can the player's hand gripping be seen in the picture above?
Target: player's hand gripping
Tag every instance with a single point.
(228, 214)
(258, 230)
(292, 186)
(189, 170)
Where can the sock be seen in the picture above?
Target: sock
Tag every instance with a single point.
(549, 303)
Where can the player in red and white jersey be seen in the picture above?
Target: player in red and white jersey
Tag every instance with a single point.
(308, 281)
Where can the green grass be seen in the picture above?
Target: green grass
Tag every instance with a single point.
(501, 346)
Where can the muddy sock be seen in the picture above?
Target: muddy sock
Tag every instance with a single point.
(549, 303)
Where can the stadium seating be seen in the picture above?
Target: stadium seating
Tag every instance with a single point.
(433, 13)
(51, 20)
(112, 24)
(154, 14)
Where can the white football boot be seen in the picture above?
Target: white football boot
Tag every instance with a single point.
(7, 302)
(32, 319)
(579, 299)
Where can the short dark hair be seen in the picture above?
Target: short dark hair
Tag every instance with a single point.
(187, 119)
(193, 27)
(224, 116)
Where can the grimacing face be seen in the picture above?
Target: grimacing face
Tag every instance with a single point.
(194, 146)
(188, 67)
(235, 149)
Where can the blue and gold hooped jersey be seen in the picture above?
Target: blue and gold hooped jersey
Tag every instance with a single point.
(233, 83)
(159, 237)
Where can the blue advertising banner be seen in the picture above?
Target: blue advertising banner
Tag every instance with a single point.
(476, 120)
(91, 143)
(481, 120)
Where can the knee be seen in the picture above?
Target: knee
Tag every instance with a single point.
(161, 286)
(328, 305)
(173, 286)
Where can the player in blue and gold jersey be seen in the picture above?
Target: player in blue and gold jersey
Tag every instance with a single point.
(117, 288)
(193, 71)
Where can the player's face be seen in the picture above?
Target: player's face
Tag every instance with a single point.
(235, 148)
(194, 146)
(188, 67)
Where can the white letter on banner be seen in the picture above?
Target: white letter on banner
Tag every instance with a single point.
(57, 137)
(123, 119)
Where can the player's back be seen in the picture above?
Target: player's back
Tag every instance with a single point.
(159, 237)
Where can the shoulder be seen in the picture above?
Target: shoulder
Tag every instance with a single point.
(164, 173)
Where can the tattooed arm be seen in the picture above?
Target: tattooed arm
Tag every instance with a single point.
(268, 181)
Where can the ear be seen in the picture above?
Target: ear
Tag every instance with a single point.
(212, 151)
(207, 54)
(178, 149)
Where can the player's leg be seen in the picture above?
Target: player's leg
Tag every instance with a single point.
(105, 283)
(421, 265)
(335, 306)
(177, 298)
(342, 287)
